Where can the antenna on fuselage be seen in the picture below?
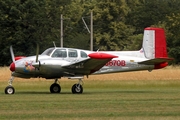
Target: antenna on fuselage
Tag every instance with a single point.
(54, 44)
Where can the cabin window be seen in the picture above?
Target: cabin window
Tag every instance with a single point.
(72, 53)
(60, 53)
(83, 54)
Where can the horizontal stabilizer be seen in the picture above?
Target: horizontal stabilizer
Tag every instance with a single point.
(155, 61)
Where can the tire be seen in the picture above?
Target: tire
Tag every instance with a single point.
(55, 88)
(9, 90)
(76, 90)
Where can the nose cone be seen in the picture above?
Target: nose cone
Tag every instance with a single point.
(12, 67)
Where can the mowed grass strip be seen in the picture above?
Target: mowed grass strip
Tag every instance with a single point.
(102, 98)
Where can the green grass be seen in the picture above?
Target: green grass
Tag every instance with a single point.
(101, 100)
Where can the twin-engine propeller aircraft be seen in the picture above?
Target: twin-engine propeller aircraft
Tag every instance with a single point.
(58, 62)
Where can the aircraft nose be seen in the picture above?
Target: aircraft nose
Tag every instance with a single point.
(12, 67)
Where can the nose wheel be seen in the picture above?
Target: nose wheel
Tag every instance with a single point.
(9, 90)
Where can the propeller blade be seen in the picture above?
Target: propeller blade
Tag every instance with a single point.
(37, 52)
(12, 53)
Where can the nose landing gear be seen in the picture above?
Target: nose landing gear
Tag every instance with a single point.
(10, 89)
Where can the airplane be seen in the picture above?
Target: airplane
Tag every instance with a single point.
(57, 62)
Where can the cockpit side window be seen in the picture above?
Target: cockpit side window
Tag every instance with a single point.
(83, 54)
(72, 53)
(60, 53)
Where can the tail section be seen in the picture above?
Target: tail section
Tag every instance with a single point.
(154, 43)
(154, 47)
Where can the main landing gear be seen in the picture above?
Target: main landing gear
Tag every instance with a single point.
(10, 89)
(55, 87)
(76, 88)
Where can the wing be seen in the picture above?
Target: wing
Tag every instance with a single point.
(90, 65)
(155, 61)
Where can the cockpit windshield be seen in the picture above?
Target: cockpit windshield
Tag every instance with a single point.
(48, 51)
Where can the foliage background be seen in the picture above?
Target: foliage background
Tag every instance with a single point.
(118, 24)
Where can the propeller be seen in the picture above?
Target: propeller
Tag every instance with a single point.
(12, 65)
(37, 64)
(12, 53)
(37, 52)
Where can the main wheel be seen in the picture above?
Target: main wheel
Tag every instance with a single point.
(55, 88)
(9, 90)
(77, 89)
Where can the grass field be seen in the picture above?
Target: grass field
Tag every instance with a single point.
(134, 96)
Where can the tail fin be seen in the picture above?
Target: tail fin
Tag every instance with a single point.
(154, 43)
(154, 47)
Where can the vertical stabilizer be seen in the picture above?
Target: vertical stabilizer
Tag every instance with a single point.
(154, 43)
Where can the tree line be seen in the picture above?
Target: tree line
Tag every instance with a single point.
(118, 24)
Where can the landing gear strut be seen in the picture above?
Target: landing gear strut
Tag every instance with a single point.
(10, 89)
(77, 88)
(55, 87)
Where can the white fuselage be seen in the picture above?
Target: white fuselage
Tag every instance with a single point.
(51, 66)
